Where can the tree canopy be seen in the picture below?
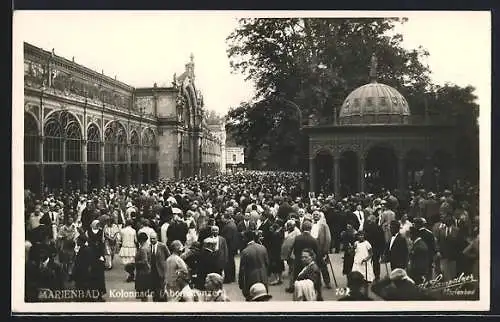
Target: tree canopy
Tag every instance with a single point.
(314, 63)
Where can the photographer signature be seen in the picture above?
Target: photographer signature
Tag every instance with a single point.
(438, 284)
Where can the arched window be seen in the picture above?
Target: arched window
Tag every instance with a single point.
(93, 142)
(134, 146)
(31, 139)
(109, 145)
(53, 144)
(73, 141)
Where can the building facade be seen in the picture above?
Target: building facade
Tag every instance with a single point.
(376, 143)
(83, 129)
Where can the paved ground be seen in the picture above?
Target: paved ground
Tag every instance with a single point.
(115, 282)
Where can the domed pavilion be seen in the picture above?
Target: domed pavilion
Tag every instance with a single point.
(375, 143)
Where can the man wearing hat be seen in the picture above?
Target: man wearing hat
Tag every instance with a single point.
(428, 237)
(258, 293)
(385, 218)
(254, 264)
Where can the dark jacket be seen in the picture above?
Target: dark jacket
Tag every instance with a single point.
(419, 259)
(375, 236)
(232, 237)
(397, 255)
(313, 273)
(303, 241)
(254, 266)
(177, 230)
(160, 260)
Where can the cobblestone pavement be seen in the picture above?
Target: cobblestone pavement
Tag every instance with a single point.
(115, 283)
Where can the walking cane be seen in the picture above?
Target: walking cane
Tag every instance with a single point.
(331, 267)
(366, 276)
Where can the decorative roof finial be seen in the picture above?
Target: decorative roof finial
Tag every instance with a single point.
(373, 69)
(191, 57)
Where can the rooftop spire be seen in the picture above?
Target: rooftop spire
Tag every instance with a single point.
(373, 69)
(191, 57)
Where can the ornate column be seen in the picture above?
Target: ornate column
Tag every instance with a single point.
(361, 172)
(312, 174)
(63, 167)
(84, 166)
(179, 154)
(102, 172)
(336, 175)
(141, 169)
(401, 173)
(42, 167)
(129, 164)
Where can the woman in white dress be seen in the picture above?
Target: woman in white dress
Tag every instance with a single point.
(362, 257)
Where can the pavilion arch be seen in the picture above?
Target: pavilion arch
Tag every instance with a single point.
(415, 160)
(31, 137)
(64, 113)
(323, 160)
(349, 163)
(31, 152)
(117, 125)
(381, 169)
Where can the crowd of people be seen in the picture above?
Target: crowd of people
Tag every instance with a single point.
(178, 240)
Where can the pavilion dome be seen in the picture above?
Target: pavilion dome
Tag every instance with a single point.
(374, 103)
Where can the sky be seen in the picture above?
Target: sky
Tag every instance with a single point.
(141, 48)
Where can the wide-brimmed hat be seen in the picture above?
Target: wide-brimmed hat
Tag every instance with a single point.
(258, 292)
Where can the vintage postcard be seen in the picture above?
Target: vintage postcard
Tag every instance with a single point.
(201, 161)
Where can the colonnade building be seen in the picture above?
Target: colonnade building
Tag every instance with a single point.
(83, 129)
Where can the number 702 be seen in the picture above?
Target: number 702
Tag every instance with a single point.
(342, 291)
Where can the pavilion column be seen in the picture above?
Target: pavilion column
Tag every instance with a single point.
(41, 167)
(102, 172)
(312, 174)
(129, 165)
(179, 155)
(336, 175)
(84, 167)
(63, 167)
(361, 173)
(141, 169)
(401, 174)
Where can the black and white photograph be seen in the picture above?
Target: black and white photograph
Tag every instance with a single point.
(329, 157)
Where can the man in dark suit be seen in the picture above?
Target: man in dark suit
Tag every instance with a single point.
(447, 248)
(159, 255)
(396, 251)
(230, 233)
(429, 239)
(45, 275)
(303, 241)
(254, 264)
(419, 258)
(375, 236)
(243, 226)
